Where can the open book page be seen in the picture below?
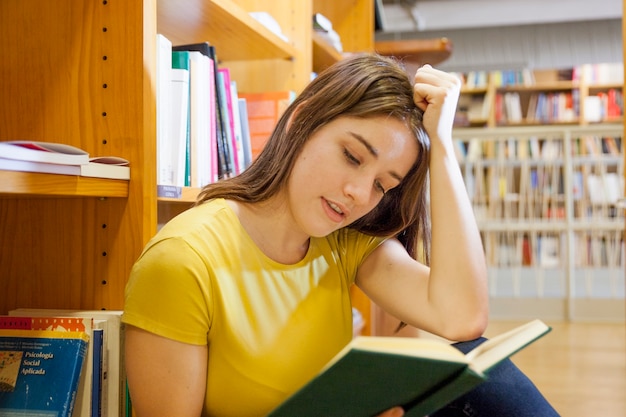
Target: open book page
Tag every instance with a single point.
(407, 346)
(420, 374)
(500, 347)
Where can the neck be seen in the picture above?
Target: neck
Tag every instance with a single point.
(271, 227)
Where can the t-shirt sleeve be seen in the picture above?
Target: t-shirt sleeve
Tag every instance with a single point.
(354, 247)
(167, 295)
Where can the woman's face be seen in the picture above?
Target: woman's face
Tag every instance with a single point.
(344, 170)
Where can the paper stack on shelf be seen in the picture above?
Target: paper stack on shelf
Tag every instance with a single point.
(58, 158)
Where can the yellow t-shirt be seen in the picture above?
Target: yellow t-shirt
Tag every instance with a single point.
(270, 327)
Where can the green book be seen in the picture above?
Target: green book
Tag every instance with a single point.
(373, 374)
(181, 61)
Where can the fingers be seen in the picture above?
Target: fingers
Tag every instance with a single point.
(436, 93)
(393, 412)
(432, 85)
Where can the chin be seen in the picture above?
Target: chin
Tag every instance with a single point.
(321, 232)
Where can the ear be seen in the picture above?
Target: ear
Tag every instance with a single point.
(293, 115)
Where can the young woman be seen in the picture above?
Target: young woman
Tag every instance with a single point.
(239, 301)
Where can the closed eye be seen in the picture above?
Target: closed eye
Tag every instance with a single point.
(379, 187)
(351, 158)
(355, 161)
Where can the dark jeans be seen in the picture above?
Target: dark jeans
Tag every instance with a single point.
(507, 393)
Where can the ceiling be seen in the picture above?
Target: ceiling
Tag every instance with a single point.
(402, 16)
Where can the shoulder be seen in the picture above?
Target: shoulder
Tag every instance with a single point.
(214, 217)
(351, 243)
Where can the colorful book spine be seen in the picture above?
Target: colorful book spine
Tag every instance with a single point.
(181, 61)
(98, 373)
(223, 76)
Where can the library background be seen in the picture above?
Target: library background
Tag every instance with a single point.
(539, 135)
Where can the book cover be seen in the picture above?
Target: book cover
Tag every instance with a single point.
(52, 153)
(88, 325)
(114, 338)
(104, 167)
(373, 374)
(39, 371)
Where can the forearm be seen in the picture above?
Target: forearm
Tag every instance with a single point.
(458, 279)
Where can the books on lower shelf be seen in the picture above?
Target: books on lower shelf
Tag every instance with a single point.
(56, 158)
(421, 375)
(40, 371)
(89, 390)
(113, 395)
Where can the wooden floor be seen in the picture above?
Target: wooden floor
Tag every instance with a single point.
(579, 367)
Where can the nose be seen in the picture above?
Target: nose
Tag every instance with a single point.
(359, 189)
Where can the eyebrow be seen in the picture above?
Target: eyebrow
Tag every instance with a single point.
(374, 152)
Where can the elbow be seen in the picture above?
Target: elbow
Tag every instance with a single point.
(475, 328)
(471, 327)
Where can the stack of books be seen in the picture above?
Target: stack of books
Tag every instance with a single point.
(58, 158)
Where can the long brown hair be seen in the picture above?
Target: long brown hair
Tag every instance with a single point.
(364, 85)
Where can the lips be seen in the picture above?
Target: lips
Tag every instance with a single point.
(334, 212)
(335, 207)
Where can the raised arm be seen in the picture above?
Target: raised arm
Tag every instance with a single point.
(450, 297)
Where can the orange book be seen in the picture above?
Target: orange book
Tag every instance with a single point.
(264, 110)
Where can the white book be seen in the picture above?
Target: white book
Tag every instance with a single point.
(245, 132)
(164, 109)
(549, 253)
(103, 169)
(176, 147)
(116, 375)
(200, 134)
(49, 152)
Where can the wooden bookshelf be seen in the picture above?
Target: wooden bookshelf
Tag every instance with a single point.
(417, 52)
(324, 54)
(83, 73)
(547, 202)
(528, 91)
(235, 34)
(27, 184)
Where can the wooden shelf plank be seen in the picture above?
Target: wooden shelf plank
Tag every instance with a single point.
(417, 51)
(541, 87)
(324, 54)
(24, 184)
(236, 35)
(189, 195)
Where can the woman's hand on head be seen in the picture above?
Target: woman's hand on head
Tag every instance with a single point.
(392, 412)
(437, 93)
